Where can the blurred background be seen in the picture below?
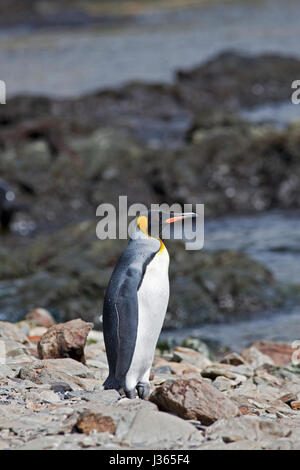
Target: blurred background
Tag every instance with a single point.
(163, 101)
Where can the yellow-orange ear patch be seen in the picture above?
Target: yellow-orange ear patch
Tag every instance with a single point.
(162, 248)
(142, 223)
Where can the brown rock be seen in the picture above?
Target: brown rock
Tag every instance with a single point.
(41, 317)
(178, 368)
(280, 353)
(233, 358)
(288, 398)
(246, 409)
(152, 374)
(89, 421)
(193, 399)
(255, 357)
(237, 373)
(65, 340)
(248, 406)
(295, 405)
(190, 356)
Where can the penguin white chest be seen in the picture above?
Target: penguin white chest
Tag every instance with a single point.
(153, 294)
(153, 298)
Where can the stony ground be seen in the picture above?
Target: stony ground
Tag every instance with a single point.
(237, 401)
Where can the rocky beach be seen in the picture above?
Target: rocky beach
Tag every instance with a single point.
(51, 394)
(145, 101)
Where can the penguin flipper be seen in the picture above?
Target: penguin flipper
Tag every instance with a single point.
(127, 309)
(120, 323)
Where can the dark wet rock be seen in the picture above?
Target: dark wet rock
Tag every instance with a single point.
(57, 14)
(209, 156)
(152, 112)
(86, 171)
(68, 272)
(212, 287)
(65, 340)
(237, 168)
(193, 399)
(235, 80)
(91, 149)
(158, 113)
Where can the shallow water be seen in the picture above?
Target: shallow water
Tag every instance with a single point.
(68, 62)
(277, 114)
(281, 327)
(272, 238)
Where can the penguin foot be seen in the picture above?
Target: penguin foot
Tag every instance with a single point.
(143, 389)
(130, 393)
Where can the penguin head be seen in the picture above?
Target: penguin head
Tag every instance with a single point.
(164, 225)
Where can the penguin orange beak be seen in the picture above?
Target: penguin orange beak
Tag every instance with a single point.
(175, 219)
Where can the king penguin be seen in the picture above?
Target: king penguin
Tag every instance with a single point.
(135, 305)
